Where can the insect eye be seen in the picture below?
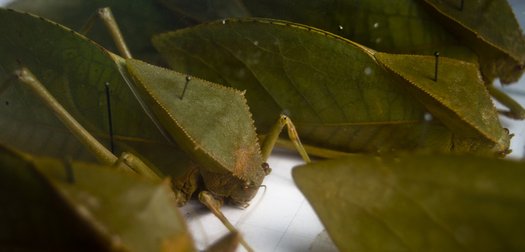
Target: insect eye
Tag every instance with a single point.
(266, 168)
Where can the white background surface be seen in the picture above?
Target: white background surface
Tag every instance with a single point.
(279, 218)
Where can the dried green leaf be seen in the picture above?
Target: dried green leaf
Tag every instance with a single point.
(418, 202)
(49, 205)
(333, 89)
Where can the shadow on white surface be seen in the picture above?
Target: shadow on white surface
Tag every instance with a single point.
(278, 219)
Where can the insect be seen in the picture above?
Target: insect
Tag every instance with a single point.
(344, 96)
(208, 122)
(147, 125)
(461, 202)
(419, 27)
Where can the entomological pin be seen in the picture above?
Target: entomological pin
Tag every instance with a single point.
(110, 119)
(188, 78)
(126, 162)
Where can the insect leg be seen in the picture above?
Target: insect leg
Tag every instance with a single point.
(214, 205)
(312, 150)
(109, 21)
(99, 151)
(184, 186)
(271, 138)
(127, 159)
(516, 111)
(30, 81)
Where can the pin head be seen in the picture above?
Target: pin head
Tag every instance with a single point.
(188, 78)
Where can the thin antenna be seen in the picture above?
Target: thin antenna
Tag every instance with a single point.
(110, 119)
(436, 66)
(188, 78)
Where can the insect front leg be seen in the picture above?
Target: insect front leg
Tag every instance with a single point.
(184, 186)
(136, 164)
(271, 138)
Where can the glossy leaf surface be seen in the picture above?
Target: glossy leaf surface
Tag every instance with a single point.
(75, 70)
(212, 121)
(490, 28)
(51, 205)
(333, 89)
(418, 202)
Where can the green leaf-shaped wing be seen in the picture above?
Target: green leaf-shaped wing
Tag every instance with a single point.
(333, 89)
(211, 122)
(418, 202)
(458, 98)
(490, 28)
